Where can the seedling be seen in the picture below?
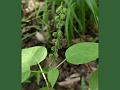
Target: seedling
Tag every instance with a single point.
(33, 56)
(80, 53)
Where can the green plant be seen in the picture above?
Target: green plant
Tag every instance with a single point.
(32, 56)
(69, 24)
(70, 19)
(82, 53)
(92, 4)
(45, 18)
(59, 20)
(77, 10)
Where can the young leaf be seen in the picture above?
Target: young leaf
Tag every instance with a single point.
(94, 81)
(33, 55)
(82, 53)
(52, 76)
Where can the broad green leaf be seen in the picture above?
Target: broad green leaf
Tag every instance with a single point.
(33, 55)
(52, 76)
(94, 81)
(82, 53)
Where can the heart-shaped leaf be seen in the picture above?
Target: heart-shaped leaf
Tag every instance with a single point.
(82, 53)
(52, 76)
(31, 56)
(94, 81)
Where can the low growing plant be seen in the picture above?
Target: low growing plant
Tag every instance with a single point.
(80, 53)
(58, 35)
(32, 56)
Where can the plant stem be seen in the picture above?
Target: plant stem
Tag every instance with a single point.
(43, 75)
(60, 63)
(35, 71)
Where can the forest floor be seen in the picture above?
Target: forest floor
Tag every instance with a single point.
(70, 75)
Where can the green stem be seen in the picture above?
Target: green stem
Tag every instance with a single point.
(60, 63)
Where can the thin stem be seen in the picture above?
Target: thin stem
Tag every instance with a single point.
(36, 71)
(43, 75)
(60, 63)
